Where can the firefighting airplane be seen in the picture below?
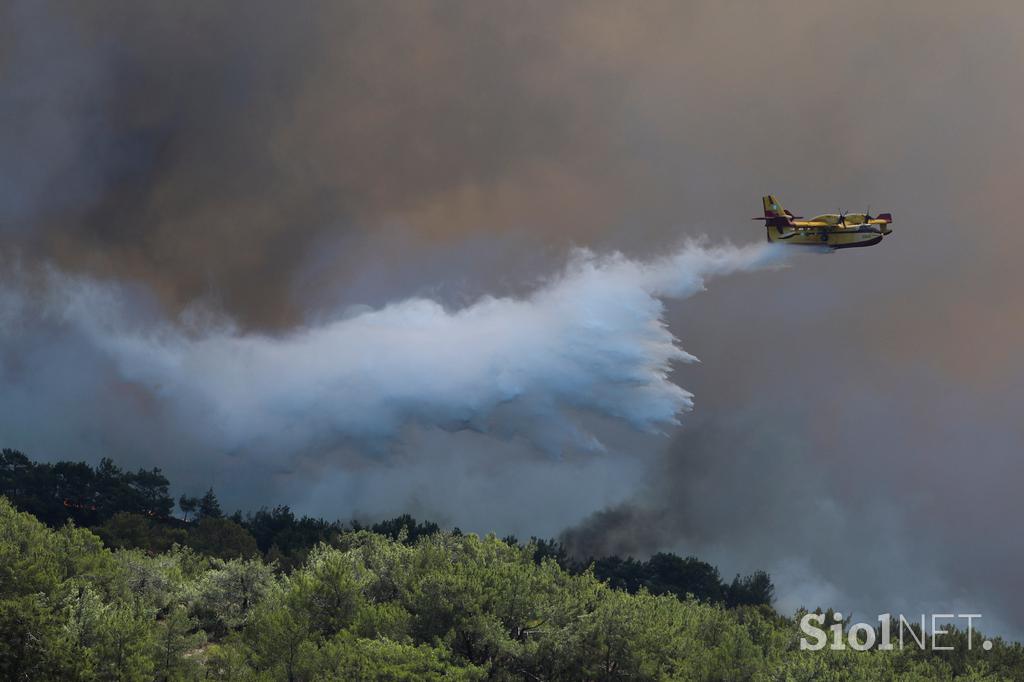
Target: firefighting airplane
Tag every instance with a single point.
(833, 231)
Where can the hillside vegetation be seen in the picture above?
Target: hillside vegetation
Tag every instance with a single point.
(147, 594)
(133, 510)
(368, 607)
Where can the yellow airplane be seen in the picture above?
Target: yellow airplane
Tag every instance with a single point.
(833, 231)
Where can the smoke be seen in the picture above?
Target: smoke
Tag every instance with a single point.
(626, 529)
(748, 490)
(590, 340)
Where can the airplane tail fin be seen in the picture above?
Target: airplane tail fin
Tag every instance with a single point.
(883, 219)
(772, 207)
(775, 217)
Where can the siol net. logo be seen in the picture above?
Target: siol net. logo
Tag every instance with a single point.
(864, 636)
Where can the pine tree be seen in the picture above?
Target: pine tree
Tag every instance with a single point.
(209, 507)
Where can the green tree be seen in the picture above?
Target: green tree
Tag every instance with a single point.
(150, 493)
(175, 637)
(124, 642)
(275, 636)
(188, 505)
(127, 530)
(346, 657)
(329, 589)
(28, 627)
(209, 507)
(222, 538)
(226, 594)
(751, 590)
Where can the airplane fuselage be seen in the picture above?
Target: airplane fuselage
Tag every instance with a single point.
(856, 232)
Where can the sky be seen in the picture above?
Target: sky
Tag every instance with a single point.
(210, 213)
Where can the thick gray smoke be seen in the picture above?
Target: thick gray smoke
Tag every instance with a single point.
(590, 340)
(280, 161)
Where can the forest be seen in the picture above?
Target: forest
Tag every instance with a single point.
(103, 576)
(134, 510)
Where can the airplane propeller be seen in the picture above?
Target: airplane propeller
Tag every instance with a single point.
(842, 218)
(867, 221)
